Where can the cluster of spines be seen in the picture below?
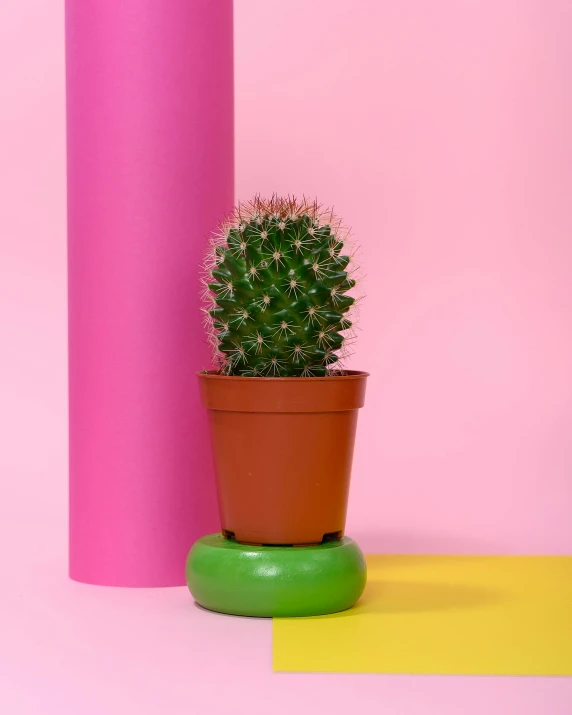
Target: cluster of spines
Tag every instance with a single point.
(276, 290)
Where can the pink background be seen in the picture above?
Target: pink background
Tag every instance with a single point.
(440, 131)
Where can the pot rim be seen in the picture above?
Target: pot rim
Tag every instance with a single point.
(349, 375)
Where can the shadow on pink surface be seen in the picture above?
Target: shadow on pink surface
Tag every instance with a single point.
(411, 542)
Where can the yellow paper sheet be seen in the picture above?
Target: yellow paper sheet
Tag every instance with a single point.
(481, 615)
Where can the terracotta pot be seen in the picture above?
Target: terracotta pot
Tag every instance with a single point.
(283, 451)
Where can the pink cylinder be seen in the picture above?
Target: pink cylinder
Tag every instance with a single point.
(150, 173)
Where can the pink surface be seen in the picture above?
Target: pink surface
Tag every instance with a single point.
(70, 648)
(441, 132)
(150, 171)
(73, 649)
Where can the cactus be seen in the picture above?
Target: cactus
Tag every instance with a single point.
(276, 284)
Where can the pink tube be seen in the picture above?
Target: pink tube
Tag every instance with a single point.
(150, 173)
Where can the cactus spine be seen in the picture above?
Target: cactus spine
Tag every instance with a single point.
(276, 284)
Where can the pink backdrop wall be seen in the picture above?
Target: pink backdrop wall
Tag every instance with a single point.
(441, 132)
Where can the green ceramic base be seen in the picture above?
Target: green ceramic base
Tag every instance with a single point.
(283, 581)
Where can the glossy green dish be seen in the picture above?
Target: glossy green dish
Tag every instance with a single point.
(275, 581)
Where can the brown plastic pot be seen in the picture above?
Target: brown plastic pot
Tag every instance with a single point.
(283, 451)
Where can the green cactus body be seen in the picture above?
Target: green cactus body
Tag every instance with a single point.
(277, 286)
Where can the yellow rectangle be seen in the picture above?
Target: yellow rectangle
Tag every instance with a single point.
(465, 615)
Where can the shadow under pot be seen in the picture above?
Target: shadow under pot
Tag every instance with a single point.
(283, 450)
